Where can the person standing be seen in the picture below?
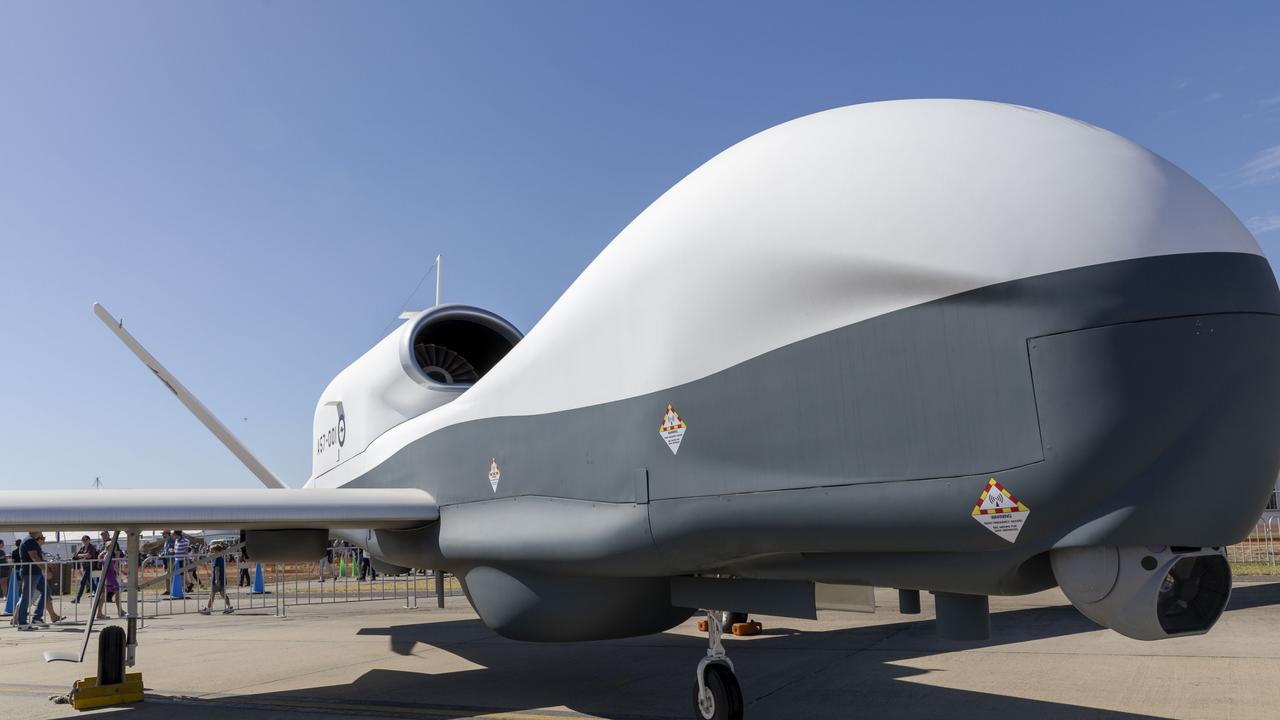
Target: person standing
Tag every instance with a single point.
(32, 582)
(218, 581)
(48, 596)
(166, 554)
(181, 546)
(15, 576)
(326, 563)
(86, 557)
(366, 565)
(245, 580)
(193, 562)
(4, 571)
(105, 537)
(110, 581)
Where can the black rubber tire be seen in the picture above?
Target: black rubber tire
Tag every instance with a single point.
(111, 655)
(726, 692)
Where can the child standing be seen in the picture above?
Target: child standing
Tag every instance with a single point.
(218, 581)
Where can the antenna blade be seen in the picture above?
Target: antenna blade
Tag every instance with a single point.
(196, 407)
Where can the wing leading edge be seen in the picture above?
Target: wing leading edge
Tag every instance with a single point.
(231, 508)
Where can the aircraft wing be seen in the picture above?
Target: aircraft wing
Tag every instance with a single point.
(192, 403)
(231, 508)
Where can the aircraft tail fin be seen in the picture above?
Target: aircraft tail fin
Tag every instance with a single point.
(193, 404)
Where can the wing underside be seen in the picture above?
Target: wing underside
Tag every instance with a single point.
(231, 508)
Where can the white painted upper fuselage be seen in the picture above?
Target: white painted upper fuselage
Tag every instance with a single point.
(814, 225)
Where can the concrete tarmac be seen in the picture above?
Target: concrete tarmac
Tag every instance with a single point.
(377, 659)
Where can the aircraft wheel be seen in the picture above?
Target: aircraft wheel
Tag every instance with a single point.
(723, 698)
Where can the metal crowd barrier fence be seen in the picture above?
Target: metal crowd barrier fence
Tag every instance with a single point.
(1261, 546)
(70, 584)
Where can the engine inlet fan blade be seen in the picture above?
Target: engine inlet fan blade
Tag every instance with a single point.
(444, 365)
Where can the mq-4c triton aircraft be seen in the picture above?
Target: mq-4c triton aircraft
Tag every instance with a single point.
(944, 345)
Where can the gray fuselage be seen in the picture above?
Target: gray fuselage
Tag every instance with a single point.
(1129, 403)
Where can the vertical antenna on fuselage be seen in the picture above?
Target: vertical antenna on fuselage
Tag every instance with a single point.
(437, 280)
(410, 314)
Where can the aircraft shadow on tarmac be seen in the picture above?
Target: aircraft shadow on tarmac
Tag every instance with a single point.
(785, 674)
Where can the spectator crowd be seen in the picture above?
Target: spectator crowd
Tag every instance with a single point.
(99, 570)
(96, 569)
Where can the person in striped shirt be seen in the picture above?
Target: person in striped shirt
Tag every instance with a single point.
(181, 546)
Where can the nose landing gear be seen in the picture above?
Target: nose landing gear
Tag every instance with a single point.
(717, 695)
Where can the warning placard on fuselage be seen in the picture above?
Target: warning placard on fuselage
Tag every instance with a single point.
(1000, 512)
(494, 474)
(671, 429)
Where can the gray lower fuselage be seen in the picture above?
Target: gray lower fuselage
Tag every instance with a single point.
(1130, 403)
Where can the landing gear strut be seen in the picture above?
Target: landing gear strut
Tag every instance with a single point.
(717, 695)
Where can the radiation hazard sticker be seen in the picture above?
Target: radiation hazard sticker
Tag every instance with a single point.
(494, 474)
(671, 429)
(1000, 512)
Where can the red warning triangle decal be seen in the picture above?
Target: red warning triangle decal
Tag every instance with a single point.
(671, 429)
(996, 499)
(1000, 511)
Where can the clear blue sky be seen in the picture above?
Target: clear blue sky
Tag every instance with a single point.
(255, 187)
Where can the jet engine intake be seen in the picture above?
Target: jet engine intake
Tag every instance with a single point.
(425, 363)
(1146, 593)
(455, 345)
